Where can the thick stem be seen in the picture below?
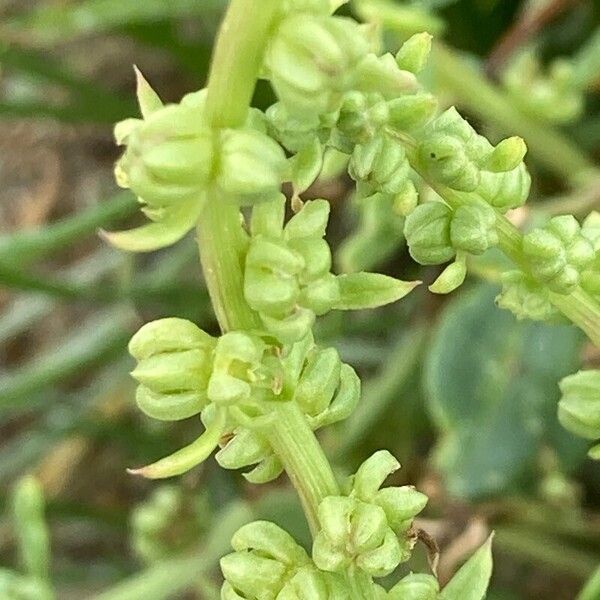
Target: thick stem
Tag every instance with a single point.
(222, 240)
(222, 243)
(302, 457)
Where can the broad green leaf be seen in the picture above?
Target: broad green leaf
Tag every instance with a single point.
(472, 579)
(370, 290)
(492, 387)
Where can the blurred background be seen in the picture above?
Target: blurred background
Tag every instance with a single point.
(461, 392)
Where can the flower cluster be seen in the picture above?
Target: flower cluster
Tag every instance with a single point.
(267, 563)
(560, 257)
(233, 382)
(287, 277)
(370, 527)
(173, 158)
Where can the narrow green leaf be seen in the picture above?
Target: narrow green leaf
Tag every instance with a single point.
(155, 236)
(472, 579)
(188, 457)
(147, 98)
(370, 290)
(27, 245)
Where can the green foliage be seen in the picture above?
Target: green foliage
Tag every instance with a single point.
(483, 369)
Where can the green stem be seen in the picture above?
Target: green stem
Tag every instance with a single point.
(222, 243)
(222, 240)
(578, 306)
(483, 99)
(297, 447)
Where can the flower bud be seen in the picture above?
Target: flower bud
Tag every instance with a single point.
(411, 111)
(427, 231)
(169, 156)
(237, 359)
(451, 278)
(507, 155)
(558, 253)
(354, 531)
(311, 61)
(579, 407)
(381, 163)
(265, 559)
(446, 160)
(174, 364)
(505, 190)
(321, 295)
(591, 229)
(414, 53)
(381, 74)
(250, 162)
(415, 586)
(473, 228)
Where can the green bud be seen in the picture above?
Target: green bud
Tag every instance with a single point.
(318, 382)
(268, 217)
(310, 60)
(321, 295)
(174, 364)
(251, 163)
(415, 586)
(168, 335)
(579, 407)
(473, 228)
(445, 158)
(411, 111)
(557, 253)
(406, 200)
(507, 155)
(169, 156)
(451, 278)
(414, 53)
(381, 74)
(292, 328)
(354, 531)
(265, 559)
(237, 359)
(525, 298)
(381, 163)
(427, 231)
(309, 222)
(505, 190)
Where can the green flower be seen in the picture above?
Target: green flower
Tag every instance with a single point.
(369, 528)
(311, 61)
(427, 232)
(415, 586)
(526, 298)
(473, 228)
(269, 565)
(174, 365)
(558, 253)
